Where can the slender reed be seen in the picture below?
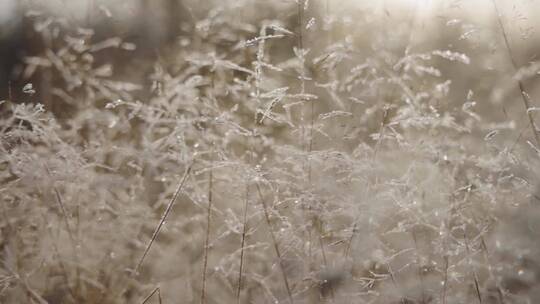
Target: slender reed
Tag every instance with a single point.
(163, 218)
(419, 267)
(474, 274)
(274, 242)
(524, 96)
(445, 281)
(69, 230)
(156, 290)
(62, 206)
(349, 241)
(242, 245)
(207, 236)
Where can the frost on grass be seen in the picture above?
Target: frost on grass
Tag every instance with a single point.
(324, 164)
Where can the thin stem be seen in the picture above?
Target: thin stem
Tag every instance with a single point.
(62, 206)
(208, 223)
(156, 290)
(420, 274)
(445, 282)
(274, 241)
(349, 243)
(311, 140)
(163, 218)
(69, 230)
(307, 146)
(61, 264)
(384, 121)
(300, 7)
(325, 261)
(242, 245)
(475, 276)
(524, 96)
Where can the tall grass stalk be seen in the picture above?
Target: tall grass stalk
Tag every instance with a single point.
(473, 269)
(242, 244)
(207, 234)
(155, 291)
(163, 218)
(71, 234)
(275, 243)
(524, 96)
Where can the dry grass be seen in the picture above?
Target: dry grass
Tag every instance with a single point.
(313, 153)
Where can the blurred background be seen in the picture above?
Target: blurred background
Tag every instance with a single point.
(157, 27)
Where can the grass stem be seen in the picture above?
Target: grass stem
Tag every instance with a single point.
(275, 243)
(524, 96)
(163, 218)
(207, 235)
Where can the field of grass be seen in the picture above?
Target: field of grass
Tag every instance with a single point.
(274, 152)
